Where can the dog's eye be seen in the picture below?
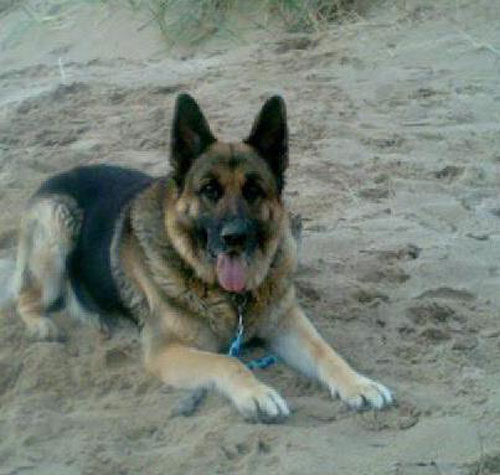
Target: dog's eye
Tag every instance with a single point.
(252, 191)
(211, 190)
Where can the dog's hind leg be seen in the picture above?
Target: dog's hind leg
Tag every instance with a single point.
(48, 234)
(80, 312)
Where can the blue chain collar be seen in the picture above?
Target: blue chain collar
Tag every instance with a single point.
(237, 344)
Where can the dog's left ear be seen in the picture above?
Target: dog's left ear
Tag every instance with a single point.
(191, 135)
(269, 136)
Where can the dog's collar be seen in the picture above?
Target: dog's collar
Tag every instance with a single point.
(240, 300)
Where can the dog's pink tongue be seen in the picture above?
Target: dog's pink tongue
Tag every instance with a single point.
(231, 272)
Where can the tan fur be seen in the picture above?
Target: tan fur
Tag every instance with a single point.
(188, 317)
(170, 286)
(48, 233)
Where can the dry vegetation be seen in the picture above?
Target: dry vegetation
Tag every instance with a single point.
(192, 21)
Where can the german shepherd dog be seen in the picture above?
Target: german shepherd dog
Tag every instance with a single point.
(179, 254)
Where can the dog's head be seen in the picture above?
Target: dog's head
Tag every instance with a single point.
(225, 214)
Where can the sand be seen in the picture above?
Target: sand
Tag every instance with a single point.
(395, 168)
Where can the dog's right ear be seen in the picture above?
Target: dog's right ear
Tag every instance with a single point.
(191, 135)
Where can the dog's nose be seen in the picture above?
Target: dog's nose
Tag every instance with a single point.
(235, 233)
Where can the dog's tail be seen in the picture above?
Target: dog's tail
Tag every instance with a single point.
(8, 287)
(12, 269)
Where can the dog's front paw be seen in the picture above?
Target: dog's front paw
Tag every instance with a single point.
(258, 402)
(360, 392)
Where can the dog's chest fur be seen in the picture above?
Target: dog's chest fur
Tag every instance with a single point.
(156, 284)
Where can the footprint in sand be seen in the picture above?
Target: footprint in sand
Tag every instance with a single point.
(435, 318)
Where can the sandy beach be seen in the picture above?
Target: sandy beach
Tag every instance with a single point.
(394, 122)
